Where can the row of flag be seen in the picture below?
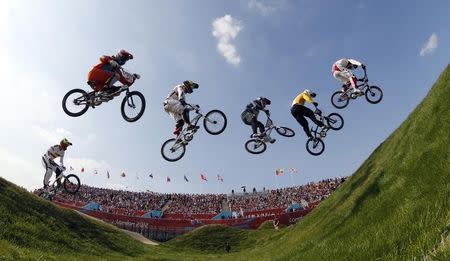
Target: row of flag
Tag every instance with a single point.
(203, 177)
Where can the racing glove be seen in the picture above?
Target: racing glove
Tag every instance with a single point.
(315, 104)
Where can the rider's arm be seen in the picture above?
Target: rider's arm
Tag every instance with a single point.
(355, 62)
(308, 98)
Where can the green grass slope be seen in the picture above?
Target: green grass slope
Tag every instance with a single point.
(31, 228)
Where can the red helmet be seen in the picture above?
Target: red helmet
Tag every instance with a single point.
(124, 55)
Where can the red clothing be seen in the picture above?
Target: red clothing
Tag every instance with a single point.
(101, 73)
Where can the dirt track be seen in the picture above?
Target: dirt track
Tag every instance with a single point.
(134, 235)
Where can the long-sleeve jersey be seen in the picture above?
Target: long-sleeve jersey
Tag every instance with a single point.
(177, 93)
(301, 98)
(343, 64)
(54, 152)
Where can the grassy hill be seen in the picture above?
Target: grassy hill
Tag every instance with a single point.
(395, 206)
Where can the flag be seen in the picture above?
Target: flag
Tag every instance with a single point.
(279, 172)
(185, 178)
(151, 175)
(168, 179)
(107, 174)
(293, 170)
(82, 169)
(203, 177)
(219, 177)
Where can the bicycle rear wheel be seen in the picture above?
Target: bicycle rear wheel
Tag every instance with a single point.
(75, 102)
(374, 94)
(315, 146)
(71, 184)
(171, 150)
(285, 131)
(339, 100)
(255, 146)
(215, 122)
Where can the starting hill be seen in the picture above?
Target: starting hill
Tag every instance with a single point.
(395, 206)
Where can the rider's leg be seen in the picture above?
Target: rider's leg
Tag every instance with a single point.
(58, 174)
(310, 114)
(178, 127)
(296, 112)
(48, 172)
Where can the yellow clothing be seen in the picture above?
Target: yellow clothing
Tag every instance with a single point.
(301, 98)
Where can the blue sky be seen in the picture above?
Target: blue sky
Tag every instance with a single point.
(281, 47)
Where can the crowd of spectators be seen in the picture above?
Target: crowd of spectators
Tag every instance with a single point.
(195, 203)
(282, 198)
(127, 202)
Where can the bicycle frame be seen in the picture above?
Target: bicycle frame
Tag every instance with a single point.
(364, 85)
(181, 138)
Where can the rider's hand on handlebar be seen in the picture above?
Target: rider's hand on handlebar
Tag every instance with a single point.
(183, 102)
(315, 104)
(137, 76)
(363, 66)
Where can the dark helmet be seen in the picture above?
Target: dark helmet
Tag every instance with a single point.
(263, 101)
(190, 86)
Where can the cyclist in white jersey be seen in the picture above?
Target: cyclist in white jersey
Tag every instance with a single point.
(341, 70)
(175, 105)
(49, 160)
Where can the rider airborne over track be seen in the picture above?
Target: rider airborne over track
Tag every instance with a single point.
(175, 105)
(299, 110)
(250, 116)
(341, 70)
(103, 76)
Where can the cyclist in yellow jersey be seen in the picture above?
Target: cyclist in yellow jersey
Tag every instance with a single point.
(300, 111)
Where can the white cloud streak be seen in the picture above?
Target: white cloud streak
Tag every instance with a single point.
(261, 7)
(430, 45)
(226, 29)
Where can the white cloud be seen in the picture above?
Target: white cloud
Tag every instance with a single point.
(261, 7)
(226, 29)
(430, 45)
(51, 136)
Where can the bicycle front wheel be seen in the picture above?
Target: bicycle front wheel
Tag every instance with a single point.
(335, 121)
(315, 146)
(71, 184)
(285, 131)
(133, 106)
(215, 122)
(173, 150)
(374, 94)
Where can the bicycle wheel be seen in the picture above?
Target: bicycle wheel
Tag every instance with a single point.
(75, 103)
(335, 121)
(215, 122)
(374, 94)
(315, 146)
(71, 184)
(133, 106)
(285, 131)
(339, 100)
(255, 146)
(171, 150)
